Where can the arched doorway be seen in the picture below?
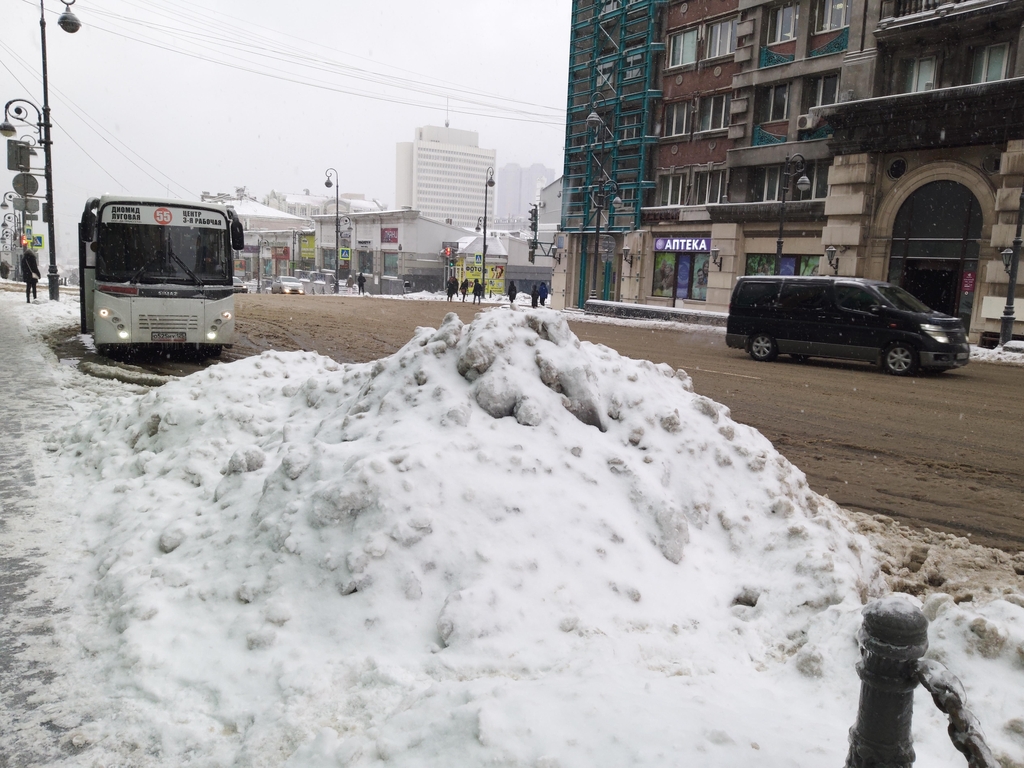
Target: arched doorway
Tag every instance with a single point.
(935, 243)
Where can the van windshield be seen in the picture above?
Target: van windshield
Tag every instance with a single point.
(900, 299)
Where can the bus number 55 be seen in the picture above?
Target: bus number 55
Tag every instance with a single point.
(163, 216)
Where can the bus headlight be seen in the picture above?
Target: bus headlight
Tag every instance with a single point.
(123, 334)
(226, 315)
(104, 313)
(211, 335)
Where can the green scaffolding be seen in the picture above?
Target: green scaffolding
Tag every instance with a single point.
(614, 58)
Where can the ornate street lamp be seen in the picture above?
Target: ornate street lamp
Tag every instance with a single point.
(487, 185)
(337, 225)
(259, 266)
(1011, 261)
(607, 189)
(15, 109)
(794, 164)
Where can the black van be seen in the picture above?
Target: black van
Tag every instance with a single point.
(843, 317)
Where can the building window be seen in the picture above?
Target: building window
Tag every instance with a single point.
(391, 264)
(672, 189)
(990, 63)
(917, 74)
(773, 103)
(677, 118)
(630, 126)
(721, 39)
(821, 91)
(782, 23)
(769, 264)
(634, 66)
(681, 276)
(714, 112)
(817, 173)
(831, 14)
(765, 182)
(709, 187)
(606, 74)
(683, 48)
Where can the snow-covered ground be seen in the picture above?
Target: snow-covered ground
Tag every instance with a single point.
(499, 546)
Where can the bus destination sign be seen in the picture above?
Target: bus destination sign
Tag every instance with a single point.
(162, 215)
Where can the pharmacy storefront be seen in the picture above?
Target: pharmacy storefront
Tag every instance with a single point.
(681, 267)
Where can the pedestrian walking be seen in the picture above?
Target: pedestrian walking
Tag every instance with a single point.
(534, 296)
(543, 293)
(361, 280)
(464, 288)
(30, 273)
(512, 291)
(453, 287)
(478, 292)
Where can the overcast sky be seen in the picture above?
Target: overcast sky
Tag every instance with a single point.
(162, 98)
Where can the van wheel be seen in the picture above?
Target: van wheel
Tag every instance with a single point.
(763, 348)
(899, 359)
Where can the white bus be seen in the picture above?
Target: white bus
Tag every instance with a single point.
(157, 274)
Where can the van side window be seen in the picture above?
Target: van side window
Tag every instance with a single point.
(855, 298)
(756, 294)
(804, 296)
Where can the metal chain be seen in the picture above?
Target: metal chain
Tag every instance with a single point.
(949, 696)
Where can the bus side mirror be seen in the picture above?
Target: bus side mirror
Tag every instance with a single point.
(237, 234)
(87, 227)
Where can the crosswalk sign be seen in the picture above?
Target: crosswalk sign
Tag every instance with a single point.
(37, 241)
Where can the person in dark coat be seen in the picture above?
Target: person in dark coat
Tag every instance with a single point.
(464, 288)
(478, 292)
(512, 291)
(543, 293)
(361, 280)
(453, 287)
(30, 273)
(534, 296)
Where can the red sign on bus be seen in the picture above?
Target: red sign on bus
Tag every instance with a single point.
(163, 216)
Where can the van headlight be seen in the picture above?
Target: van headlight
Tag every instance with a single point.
(937, 332)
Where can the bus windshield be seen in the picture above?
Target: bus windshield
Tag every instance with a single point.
(149, 253)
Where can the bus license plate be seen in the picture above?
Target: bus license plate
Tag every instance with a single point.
(167, 337)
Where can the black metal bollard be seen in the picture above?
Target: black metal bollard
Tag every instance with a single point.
(892, 638)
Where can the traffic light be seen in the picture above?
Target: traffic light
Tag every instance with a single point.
(449, 253)
(25, 241)
(533, 228)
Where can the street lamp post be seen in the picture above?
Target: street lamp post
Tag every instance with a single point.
(1006, 323)
(337, 225)
(796, 160)
(483, 270)
(607, 190)
(69, 23)
(596, 124)
(259, 266)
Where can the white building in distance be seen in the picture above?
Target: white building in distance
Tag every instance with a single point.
(442, 175)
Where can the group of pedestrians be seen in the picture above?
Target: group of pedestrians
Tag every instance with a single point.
(538, 294)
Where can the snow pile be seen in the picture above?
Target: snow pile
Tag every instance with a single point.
(497, 546)
(1011, 353)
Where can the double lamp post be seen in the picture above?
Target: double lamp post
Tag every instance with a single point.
(488, 183)
(16, 109)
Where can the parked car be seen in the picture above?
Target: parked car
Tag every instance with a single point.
(240, 287)
(286, 284)
(846, 318)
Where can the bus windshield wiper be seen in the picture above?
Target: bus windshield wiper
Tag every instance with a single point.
(188, 271)
(142, 270)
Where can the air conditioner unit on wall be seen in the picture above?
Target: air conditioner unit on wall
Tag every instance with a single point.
(806, 122)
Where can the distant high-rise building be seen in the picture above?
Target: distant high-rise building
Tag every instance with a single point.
(518, 187)
(442, 175)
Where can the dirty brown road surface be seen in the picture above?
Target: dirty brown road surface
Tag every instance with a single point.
(942, 451)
